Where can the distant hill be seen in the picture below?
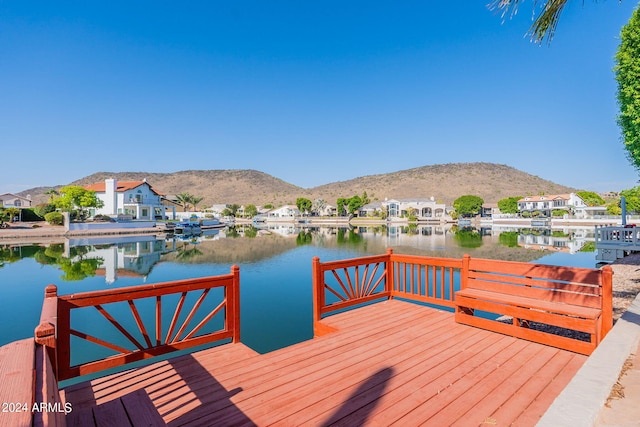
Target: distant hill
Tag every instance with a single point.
(444, 182)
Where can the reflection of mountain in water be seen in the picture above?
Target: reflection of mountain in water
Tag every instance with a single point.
(233, 250)
(135, 256)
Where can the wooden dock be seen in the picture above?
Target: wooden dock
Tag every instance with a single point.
(389, 363)
(395, 361)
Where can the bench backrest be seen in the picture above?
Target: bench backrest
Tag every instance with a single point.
(578, 286)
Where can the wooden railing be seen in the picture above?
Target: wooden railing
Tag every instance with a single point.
(350, 282)
(438, 280)
(341, 284)
(426, 279)
(146, 339)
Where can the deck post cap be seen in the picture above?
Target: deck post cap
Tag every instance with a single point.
(51, 291)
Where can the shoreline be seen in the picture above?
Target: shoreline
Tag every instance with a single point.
(46, 233)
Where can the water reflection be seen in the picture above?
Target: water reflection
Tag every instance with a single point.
(468, 237)
(275, 265)
(135, 256)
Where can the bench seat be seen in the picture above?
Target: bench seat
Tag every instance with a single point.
(561, 300)
(516, 302)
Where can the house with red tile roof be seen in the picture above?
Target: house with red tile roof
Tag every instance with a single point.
(135, 199)
(545, 204)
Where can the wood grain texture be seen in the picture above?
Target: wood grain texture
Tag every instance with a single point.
(17, 365)
(389, 362)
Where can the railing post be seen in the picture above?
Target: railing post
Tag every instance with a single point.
(235, 311)
(389, 280)
(318, 291)
(45, 332)
(607, 299)
(464, 272)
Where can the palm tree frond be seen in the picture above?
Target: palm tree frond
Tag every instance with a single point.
(544, 24)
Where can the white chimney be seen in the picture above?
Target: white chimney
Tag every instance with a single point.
(110, 200)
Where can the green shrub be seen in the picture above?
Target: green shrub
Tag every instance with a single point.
(29, 215)
(54, 218)
(44, 208)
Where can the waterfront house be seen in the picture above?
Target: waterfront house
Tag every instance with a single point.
(327, 210)
(423, 209)
(489, 209)
(216, 210)
(370, 209)
(136, 199)
(546, 204)
(283, 213)
(9, 200)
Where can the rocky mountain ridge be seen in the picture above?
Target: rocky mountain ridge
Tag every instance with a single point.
(444, 182)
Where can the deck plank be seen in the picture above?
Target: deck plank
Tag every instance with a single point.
(521, 401)
(492, 400)
(391, 362)
(111, 414)
(396, 357)
(299, 393)
(314, 360)
(17, 364)
(141, 410)
(365, 393)
(532, 414)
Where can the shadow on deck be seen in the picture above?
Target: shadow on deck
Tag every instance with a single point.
(389, 363)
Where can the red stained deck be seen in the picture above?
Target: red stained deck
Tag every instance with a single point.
(390, 363)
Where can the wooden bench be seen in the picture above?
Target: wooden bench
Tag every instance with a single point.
(576, 300)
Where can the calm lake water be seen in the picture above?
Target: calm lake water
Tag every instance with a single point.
(275, 266)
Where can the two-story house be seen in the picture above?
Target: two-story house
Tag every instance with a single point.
(283, 213)
(423, 209)
(546, 204)
(9, 200)
(131, 198)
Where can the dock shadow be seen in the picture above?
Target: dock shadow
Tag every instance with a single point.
(197, 387)
(364, 399)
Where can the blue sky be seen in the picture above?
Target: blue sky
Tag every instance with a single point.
(308, 91)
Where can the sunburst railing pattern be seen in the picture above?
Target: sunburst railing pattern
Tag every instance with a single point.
(342, 284)
(128, 333)
(345, 283)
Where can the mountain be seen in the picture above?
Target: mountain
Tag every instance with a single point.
(444, 182)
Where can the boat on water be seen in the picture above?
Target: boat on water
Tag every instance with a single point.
(210, 223)
(541, 222)
(187, 228)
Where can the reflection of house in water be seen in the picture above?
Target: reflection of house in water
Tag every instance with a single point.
(556, 241)
(410, 235)
(285, 230)
(132, 256)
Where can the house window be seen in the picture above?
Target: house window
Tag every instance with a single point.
(17, 203)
